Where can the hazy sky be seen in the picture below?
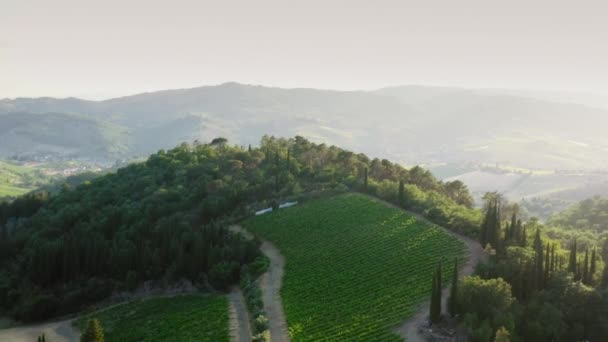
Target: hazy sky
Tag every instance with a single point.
(97, 49)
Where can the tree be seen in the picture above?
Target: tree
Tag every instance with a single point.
(573, 259)
(585, 275)
(42, 338)
(435, 310)
(401, 192)
(219, 142)
(502, 335)
(453, 291)
(539, 266)
(485, 300)
(93, 332)
(605, 258)
(365, 179)
(592, 267)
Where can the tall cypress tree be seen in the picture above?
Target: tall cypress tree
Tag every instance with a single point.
(93, 332)
(496, 228)
(401, 192)
(524, 237)
(435, 310)
(572, 260)
(513, 230)
(288, 160)
(604, 282)
(453, 291)
(538, 252)
(553, 260)
(547, 265)
(585, 276)
(592, 267)
(485, 226)
(365, 179)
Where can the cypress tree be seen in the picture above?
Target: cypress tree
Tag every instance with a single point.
(592, 267)
(436, 296)
(288, 159)
(524, 237)
(518, 232)
(453, 291)
(538, 251)
(513, 229)
(586, 268)
(547, 266)
(249, 149)
(496, 228)
(365, 179)
(572, 260)
(401, 192)
(483, 236)
(604, 281)
(93, 332)
(553, 260)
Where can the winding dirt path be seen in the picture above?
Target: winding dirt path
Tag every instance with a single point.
(61, 331)
(409, 329)
(240, 329)
(270, 283)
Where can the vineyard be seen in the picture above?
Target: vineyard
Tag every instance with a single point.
(355, 268)
(181, 318)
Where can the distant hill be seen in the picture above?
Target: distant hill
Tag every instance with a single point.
(411, 124)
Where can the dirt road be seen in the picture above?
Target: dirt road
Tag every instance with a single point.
(270, 283)
(240, 329)
(61, 331)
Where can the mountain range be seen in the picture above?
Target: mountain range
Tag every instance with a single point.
(411, 124)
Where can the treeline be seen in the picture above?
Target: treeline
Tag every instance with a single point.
(166, 218)
(590, 214)
(559, 288)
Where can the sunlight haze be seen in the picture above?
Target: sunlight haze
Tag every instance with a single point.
(98, 50)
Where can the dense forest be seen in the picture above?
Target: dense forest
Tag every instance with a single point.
(166, 218)
(540, 283)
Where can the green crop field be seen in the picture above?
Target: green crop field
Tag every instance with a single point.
(355, 268)
(180, 318)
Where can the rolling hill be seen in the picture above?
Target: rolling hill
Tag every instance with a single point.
(411, 124)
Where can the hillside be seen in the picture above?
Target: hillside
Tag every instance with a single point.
(17, 180)
(355, 268)
(165, 219)
(412, 124)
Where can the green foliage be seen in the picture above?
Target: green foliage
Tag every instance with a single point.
(16, 180)
(502, 335)
(355, 267)
(180, 318)
(486, 305)
(165, 218)
(93, 332)
(590, 214)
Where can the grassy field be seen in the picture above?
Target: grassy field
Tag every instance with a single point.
(355, 268)
(17, 180)
(181, 318)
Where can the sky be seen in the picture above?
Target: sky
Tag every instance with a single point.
(101, 49)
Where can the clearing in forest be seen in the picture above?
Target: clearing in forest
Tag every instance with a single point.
(355, 268)
(179, 318)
